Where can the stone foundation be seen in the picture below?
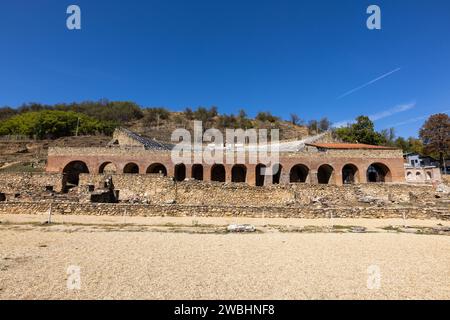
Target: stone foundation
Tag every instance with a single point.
(155, 189)
(106, 209)
(30, 182)
(156, 195)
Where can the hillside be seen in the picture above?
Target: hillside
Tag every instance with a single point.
(31, 155)
(22, 154)
(27, 132)
(162, 129)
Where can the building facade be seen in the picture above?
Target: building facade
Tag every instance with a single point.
(314, 163)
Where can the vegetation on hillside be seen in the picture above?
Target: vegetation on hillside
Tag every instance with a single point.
(53, 124)
(101, 117)
(363, 131)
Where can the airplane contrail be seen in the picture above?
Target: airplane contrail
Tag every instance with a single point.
(368, 83)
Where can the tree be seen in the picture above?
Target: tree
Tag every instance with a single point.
(266, 117)
(324, 124)
(6, 113)
(389, 136)
(435, 134)
(189, 114)
(53, 124)
(155, 115)
(242, 121)
(362, 131)
(226, 121)
(295, 119)
(401, 143)
(415, 145)
(313, 126)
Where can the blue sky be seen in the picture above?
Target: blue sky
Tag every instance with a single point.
(313, 58)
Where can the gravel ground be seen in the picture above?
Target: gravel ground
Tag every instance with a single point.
(180, 264)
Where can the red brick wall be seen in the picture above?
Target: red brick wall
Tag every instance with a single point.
(95, 157)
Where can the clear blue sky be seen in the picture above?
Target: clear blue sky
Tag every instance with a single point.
(314, 58)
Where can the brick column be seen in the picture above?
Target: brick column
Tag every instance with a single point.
(228, 173)
(313, 177)
(170, 169)
(268, 180)
(251, 175)
(284, 178)
(206, 172)
(338, 177)
(362, 174)
(189, 171)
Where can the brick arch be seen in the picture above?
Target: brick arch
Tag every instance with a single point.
(299, 173)
(157, 168)
(107, 166)
(378, 172)
(71, 173)
(131, 167)
(326, 174)
(180, 172)
(350, 173)
(277, 169)
(218, 173)
(239, 173)
(260, 174)
(197, 171)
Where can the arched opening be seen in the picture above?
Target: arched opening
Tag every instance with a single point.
(378, 172)
(197, 172)
(72, 173)
(131, 168)
(260, 175)
(418, 176)
(299, 173)
(428, 175)
(238, 173)
(180, 172)
(107, 168)
(218, 173)
(276, 173)
(157, 168)
(409, 175)
(350, 174)
(325, 174)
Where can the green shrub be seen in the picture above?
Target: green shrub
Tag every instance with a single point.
(54, 124)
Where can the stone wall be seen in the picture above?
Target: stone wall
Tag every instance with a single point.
(121, 138)
(96, 158)
(156, 189)
(410, 212)
(423, 175)
(307, 151)
(29, 182)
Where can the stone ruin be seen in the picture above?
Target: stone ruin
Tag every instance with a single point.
(135, 175)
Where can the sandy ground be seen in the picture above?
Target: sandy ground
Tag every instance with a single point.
(169, 258)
